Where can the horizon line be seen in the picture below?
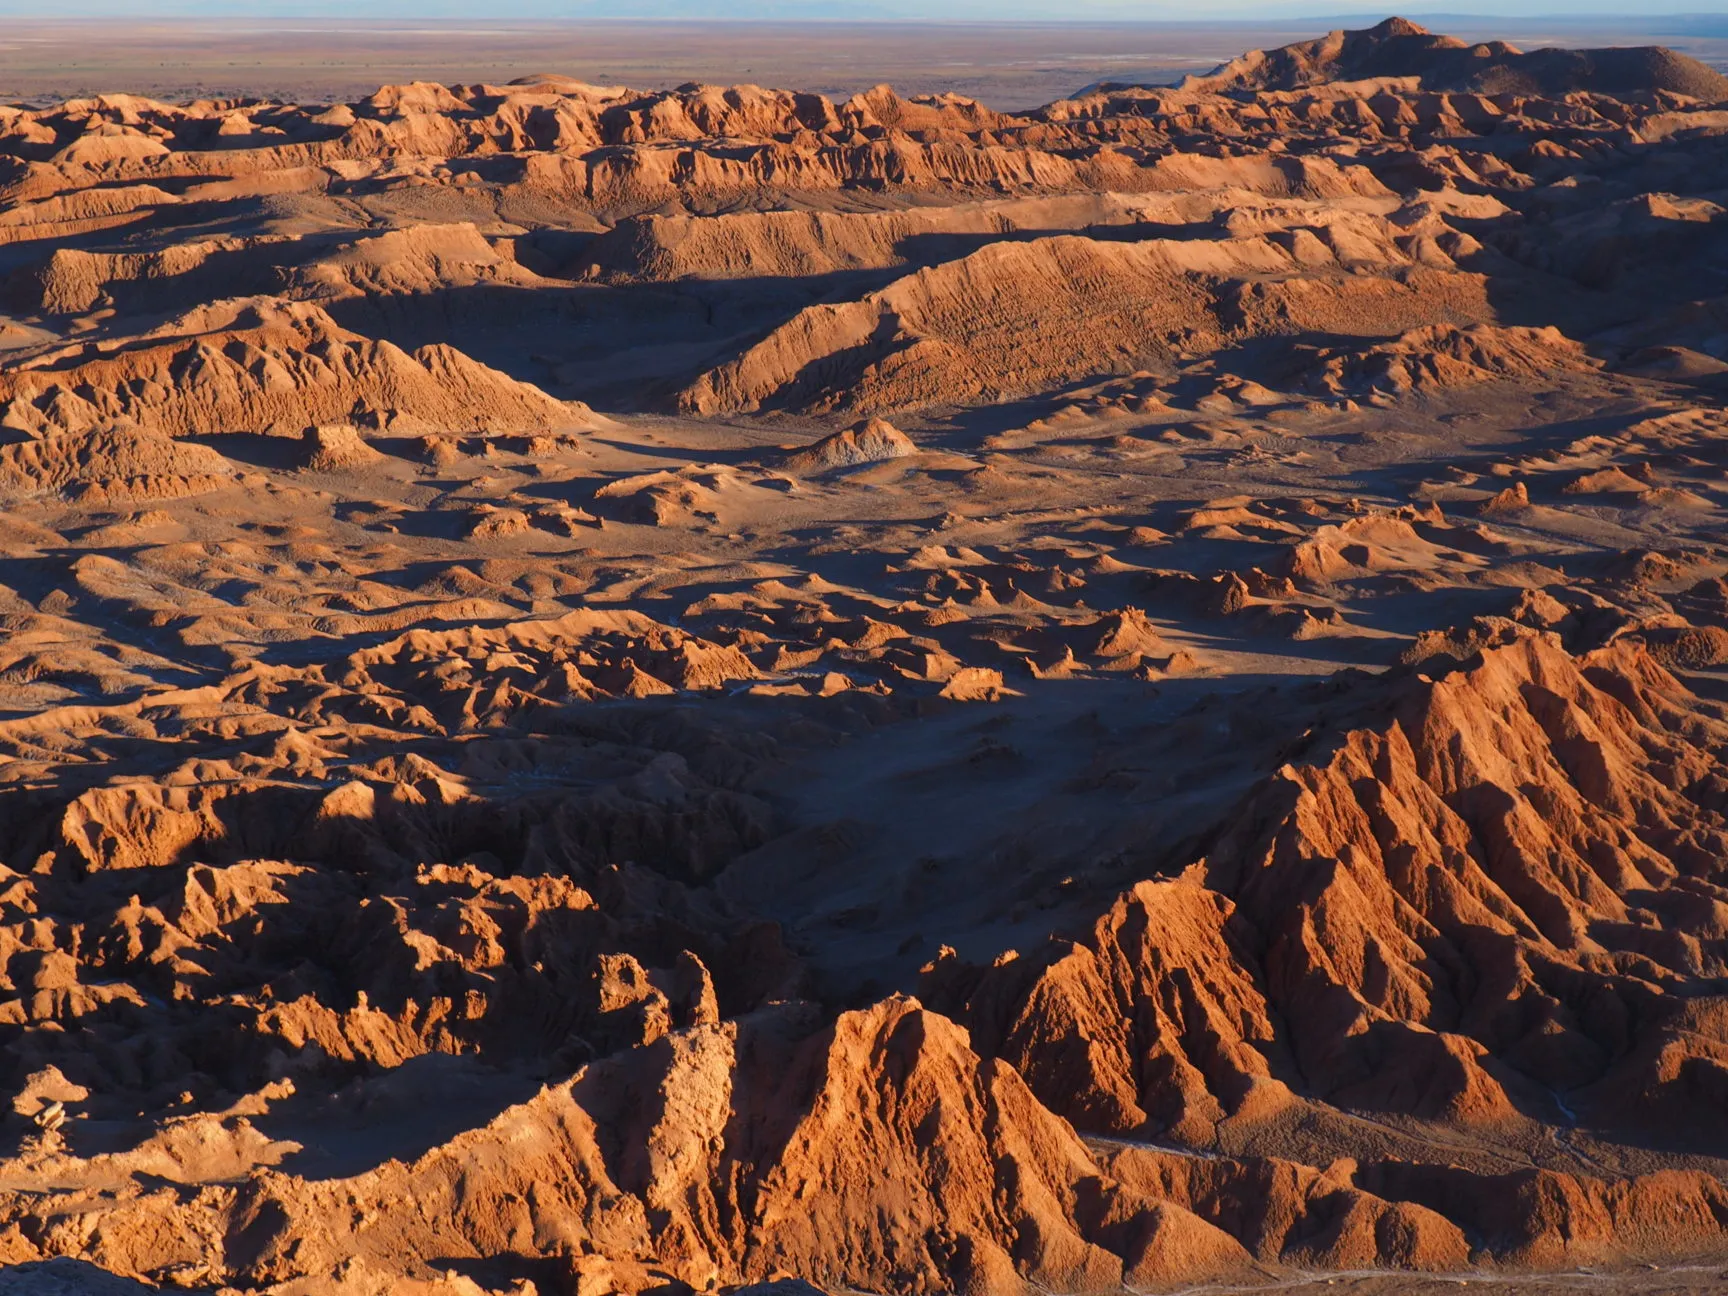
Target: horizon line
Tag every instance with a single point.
(404, 23)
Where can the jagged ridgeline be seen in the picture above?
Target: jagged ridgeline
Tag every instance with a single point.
(720, 690)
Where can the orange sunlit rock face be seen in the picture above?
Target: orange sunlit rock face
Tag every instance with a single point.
(724, 689)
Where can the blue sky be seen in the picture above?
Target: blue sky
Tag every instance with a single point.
(958, 10)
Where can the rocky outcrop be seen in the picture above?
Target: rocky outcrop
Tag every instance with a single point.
(874, 441)
(264, 367)
(1400, 50)
(972, 330)
(113, 464)
(1453, 917)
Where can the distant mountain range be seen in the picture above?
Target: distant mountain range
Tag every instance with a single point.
(1597, 14)
(1399, 48)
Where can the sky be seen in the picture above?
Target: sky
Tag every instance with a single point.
(1066, 11)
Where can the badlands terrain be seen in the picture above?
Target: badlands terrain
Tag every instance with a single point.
(610, 691)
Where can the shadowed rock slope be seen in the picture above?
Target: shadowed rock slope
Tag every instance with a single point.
(1495, 908)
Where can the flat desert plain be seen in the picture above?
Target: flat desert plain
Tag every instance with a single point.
(726, 689)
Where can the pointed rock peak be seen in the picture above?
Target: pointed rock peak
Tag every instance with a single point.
(1398, 27)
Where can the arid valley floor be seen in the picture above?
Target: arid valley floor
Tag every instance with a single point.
(663, 691)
